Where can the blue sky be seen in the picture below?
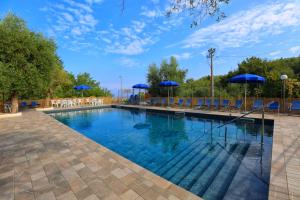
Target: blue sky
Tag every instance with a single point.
(94, 36)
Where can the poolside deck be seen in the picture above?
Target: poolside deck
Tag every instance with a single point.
(40, 158)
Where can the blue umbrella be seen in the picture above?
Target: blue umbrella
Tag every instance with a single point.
(247, 78)
(169, 84)
(140, 86)
(81, 88)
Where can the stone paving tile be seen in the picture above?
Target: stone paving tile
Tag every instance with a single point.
(44, 159)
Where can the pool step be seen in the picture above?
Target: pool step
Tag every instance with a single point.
(212, 159)
(193, 164)
(204, 181)
(180, 155)
(178, 160)
(178, 169)
(218, 188)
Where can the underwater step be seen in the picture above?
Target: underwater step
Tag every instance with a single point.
(218, 188)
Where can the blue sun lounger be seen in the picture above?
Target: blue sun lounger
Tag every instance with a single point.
(225, 104)
(216, 104)
(199, 104)
(274, 106)
(295, 106)
(258, 104)
(34, 104)
(238, 104)
(207, 103)
(163, 102)
(171, 103)
(180, 102)
(188, 103)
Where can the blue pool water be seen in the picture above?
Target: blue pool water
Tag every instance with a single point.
(189, 151)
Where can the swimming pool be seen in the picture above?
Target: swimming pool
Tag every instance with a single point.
(188, 151)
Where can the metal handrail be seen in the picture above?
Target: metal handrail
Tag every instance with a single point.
(239, 117)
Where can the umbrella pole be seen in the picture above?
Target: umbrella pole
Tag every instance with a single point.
(245, 97)
(168, 97)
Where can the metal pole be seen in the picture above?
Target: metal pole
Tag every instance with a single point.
(225, 135)
(263, 125)
(245, 106)
(283, 96)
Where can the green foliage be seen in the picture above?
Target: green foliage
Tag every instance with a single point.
(27, 58)
(166, 71)
(270, 69)
(30, 67)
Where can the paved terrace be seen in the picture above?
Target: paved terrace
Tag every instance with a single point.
(43, 159)
(40, 158)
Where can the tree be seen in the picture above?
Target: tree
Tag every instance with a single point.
(197, 9)
(27, 59)
(153, 79)
(167, 71)
(96, 90)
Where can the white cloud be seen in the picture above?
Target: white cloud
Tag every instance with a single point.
(130, 40)
(295, 49)
(248, 27)
(183, 56)
(72, 21)
(128, 62)
(151, 13)
(274, 53)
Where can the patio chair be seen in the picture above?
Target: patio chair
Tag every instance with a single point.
(258, 104)
(24, 104)
(188, 103)
(273, 106)
(295, 105)
(207, 103)
(199, 104)
(34, 104)
(180, 103)
(216, 104)
(163, 102)
(7, 107)
(171, 103)
(225, 104)
(238, 104)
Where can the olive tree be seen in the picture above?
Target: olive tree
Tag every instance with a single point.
(26, 60)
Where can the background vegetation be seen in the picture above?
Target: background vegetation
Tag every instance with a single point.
(270, 69)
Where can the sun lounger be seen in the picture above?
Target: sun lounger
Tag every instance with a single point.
(273, 106)
(238, 104)
(225, 104)
(180, 102)
(34, 104)
(216, 104)
(199, 104)
(171, 103)
(207, 103)
(188, 103)
(163, 102)
(258, 104)
(295, 106)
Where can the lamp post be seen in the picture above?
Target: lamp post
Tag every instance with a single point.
(121, 91)
(284, 77)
